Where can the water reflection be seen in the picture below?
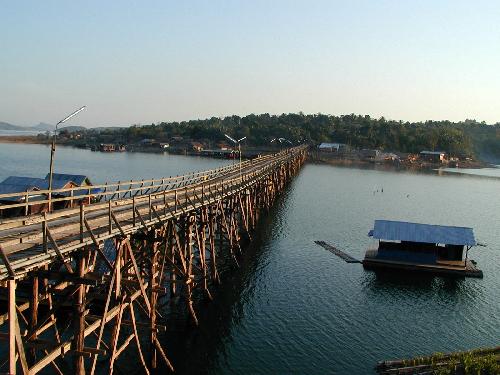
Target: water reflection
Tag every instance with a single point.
(199, 350)
(421, 284)
(295, 308)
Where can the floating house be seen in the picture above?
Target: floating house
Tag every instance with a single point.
(196, 146)
(422, 247)
(219, 154)
(433, 156)
(370, 153)
(331, 147)
(107, 147)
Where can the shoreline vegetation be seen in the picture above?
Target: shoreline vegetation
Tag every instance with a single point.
(360, 162)
(350, 159)
(467, 144)
(479, 361)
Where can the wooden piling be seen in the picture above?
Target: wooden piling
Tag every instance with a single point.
(113, 264)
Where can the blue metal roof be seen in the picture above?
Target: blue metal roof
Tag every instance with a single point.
(426, 233)
(12, 189)
(78, 179)
(56, 184)
(17, 184)
(432, 152)
(22, 181)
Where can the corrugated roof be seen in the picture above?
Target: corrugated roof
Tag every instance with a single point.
(22, 181)
(16, 184)
(11, 189)
(19, 184)
(426, 233)
(56, 184)
(432, 152)
(78, 179)
(330, 145)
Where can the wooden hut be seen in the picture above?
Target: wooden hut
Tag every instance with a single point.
(16, 187)
(24, 190)
(58, 184)
(79, 181)
(107, 147)
(422, 247)
(433, 156)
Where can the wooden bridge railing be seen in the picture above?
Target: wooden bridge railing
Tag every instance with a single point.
(63, 231)
(76, 305)
(112, 191)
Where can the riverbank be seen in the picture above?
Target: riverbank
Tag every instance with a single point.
(478, 361)
(29, 139)
(250, 322)
(323, 158)
(250, 152)
(247, 152)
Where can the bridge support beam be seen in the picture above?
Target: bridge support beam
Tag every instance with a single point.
(79, 312)
(12, 326)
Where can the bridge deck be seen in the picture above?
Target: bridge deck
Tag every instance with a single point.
(30, 242)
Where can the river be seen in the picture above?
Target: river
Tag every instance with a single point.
(293, 307)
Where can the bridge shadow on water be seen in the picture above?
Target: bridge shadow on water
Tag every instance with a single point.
(197, 350)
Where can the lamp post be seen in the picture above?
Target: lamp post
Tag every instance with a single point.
(53, 150)
(281, 140)
(236, 142)
(285, 140)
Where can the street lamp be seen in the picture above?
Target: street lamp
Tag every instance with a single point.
(284, 140)
(281, 140)
(236, 142)
(53, 150)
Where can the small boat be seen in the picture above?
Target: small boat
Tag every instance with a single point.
(430, 248)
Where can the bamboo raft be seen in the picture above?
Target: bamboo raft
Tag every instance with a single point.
(79, 285)
(337, 252)
(479, 361)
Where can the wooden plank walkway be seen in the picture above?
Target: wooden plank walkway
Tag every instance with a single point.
(25, 243)
(337, 252)
(107, 269)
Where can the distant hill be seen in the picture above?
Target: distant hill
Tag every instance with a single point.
(73, 128)
(7, 126)
(43, 127)
(39, 128)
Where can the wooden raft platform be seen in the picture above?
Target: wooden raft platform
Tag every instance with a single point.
(337, 252)
(469, 270)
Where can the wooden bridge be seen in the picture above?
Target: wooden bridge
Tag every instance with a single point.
(80, 285)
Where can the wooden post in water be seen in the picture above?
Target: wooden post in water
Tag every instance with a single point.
(12, 318)
(158, 238)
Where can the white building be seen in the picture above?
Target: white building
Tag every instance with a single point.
(331, 147)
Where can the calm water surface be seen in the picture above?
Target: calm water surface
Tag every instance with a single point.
(294, 308)
(34, 160)
(484, 172)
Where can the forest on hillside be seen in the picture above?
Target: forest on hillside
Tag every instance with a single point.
(457, 138)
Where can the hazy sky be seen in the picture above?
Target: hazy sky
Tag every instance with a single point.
(149, 61)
